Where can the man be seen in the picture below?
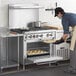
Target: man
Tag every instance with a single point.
(68, 20)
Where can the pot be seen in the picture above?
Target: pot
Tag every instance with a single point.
(36, 24)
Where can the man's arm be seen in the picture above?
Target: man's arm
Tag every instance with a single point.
(65, 24)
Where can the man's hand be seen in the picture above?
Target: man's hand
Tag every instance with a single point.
(61, 40)
(65, 36)
(68, 40)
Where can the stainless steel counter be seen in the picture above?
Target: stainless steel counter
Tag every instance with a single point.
(9, 50)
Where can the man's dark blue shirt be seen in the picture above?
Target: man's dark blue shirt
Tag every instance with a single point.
(68, 19)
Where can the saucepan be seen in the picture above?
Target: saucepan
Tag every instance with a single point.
(34, 24)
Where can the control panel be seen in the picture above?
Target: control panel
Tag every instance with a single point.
(39, 35)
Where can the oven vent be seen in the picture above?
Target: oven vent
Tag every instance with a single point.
(62, 53)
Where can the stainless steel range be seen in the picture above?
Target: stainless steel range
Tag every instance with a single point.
(37, 51)
(35, 44)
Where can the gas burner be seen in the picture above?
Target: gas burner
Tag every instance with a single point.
(20, 31)
(38, 28)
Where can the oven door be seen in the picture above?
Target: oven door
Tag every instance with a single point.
(40, 52)
(45, 59)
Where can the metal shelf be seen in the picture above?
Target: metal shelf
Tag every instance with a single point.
(10, 63)
(9, 52)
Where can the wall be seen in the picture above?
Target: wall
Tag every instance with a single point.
(68, 5)
(45, 16)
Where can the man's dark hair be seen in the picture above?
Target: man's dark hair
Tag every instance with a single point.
(59, 9)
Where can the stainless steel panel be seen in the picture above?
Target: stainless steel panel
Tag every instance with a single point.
(9, 52)
(62, 50)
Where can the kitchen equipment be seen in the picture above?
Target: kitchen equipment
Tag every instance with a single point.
(20, 15)
(35, 50)
(37, 24)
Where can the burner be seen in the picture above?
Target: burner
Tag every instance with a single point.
(20, 31)
(38, 28)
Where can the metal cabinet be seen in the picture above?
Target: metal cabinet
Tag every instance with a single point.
(9, 52)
